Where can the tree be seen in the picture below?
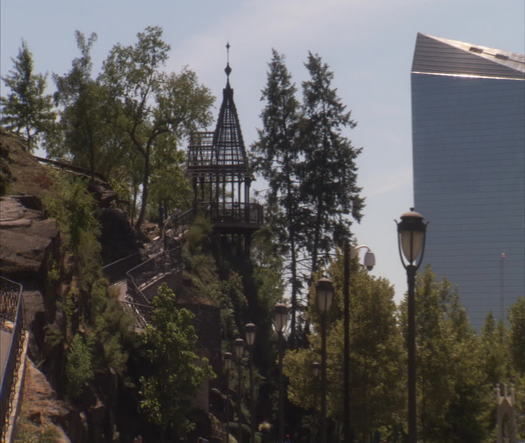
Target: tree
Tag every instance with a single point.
(176, 369)
(170, 188)
(495, 351)
(277, 157)
(376, 356)
(85, 119)
(517, 334)
(328, 174)
(453, 396)
(27, 110)
(79, 366)
(152, 103)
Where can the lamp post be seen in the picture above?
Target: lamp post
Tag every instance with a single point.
(369, 262)
(280, 320)
(249, 330)
(238, 349)
(228, 365)
(411, 242)
(316, 370)
(324, 295)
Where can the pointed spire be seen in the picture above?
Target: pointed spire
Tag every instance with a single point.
(228, 70)
(227, 139)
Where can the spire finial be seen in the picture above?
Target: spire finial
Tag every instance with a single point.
(228, 70)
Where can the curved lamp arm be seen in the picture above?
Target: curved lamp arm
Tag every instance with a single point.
(370, 259)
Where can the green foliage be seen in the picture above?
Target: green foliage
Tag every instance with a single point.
(495, 351)
(27, 432)
(5, 173)
(453, 396)
(170, 188)
(517, 334)
(155, 109)
(268, 270)
(176, 370)
(95, 330)
(311, 170)
(277, 158)
(376, 358)
(74, 209)
(85, 119)
(79, 366)
(110, 331)
(329, 182)
(27, 111)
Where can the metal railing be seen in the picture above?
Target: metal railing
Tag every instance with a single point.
(140, 277)
(12, 323)
(235, 213)
(173, 226)
(116, 270)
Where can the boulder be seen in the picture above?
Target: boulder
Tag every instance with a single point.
(26, 238)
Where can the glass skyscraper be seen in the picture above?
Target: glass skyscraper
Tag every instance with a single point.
(468, 124)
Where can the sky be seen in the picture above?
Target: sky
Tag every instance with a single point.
(368, 44)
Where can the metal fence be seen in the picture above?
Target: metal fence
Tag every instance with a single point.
(116, 270)
(11, 326)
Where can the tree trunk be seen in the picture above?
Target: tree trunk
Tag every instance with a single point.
(293, 325)
(145, 193)
(317, 234)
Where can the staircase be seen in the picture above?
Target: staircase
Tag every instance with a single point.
(137, 284)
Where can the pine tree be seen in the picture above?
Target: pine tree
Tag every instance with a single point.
(278, 154)
(27, 110)
(329, 172)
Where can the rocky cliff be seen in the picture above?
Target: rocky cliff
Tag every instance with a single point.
(31, 253)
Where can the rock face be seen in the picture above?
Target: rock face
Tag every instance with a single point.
(42, 409)
(27, 239)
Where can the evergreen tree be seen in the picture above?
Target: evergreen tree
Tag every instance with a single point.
(278, 154)
(27, 110)
(329, 178)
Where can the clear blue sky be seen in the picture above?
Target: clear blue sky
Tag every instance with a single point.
(367, 43)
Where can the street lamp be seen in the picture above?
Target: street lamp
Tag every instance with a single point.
(249, 330)
(228, 365)
(411, 242)
(369, 263)
(280, 320)
(238, 349)
(324, 295)
(316, 369)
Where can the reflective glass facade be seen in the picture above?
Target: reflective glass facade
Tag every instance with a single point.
(469, 174)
